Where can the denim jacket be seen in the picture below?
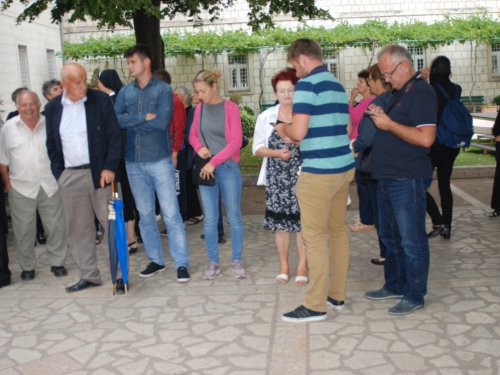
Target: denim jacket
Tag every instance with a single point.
(147, 141)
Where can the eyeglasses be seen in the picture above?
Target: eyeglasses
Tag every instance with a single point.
(388, 76)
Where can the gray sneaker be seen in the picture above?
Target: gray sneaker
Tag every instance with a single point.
(404, 307)
(212, 271)
(238, 270)
(382, 294)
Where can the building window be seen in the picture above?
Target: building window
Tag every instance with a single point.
(238, 72)
(418, 57)
(495, 59)
(23, 66)
(331, 60)
(51, 63)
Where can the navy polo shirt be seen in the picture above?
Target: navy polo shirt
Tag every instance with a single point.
(392, 157)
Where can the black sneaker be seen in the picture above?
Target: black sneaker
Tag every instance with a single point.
(183, 275)
(303, 314)
(337, 305)
(151, 269)
(221, 238)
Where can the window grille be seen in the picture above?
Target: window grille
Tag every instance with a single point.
(331, 60)
(23, 66)
(495, 58)
(51, 63)
(418, 57)
(238, 72)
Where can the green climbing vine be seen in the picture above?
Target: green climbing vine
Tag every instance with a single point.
(479, 27)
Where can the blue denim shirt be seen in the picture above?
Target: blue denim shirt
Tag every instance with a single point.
(147, 141)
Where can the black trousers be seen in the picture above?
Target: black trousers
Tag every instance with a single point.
(4, 255)
(495, 196)
(442, 158)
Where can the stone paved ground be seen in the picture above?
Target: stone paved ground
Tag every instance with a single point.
(230, 326)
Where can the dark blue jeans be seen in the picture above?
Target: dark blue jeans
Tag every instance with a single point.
(372, 194)
(402, 230)
(365, 209)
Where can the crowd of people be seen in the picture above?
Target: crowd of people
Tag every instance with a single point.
(165, 146)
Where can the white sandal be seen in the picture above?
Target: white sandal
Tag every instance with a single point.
(282, 276)
(301, 280)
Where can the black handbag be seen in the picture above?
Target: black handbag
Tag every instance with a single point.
(365, 167)
(199, 162)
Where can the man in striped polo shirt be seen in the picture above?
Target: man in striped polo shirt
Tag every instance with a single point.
(320, 119)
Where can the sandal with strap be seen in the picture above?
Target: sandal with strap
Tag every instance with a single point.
(495, 213)
(132, 250)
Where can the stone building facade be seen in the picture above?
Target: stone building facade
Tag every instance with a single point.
(250, 74)
(29, 54)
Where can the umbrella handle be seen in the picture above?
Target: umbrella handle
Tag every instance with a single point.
(113, 189)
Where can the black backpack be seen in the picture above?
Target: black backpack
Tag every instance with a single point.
(455, 125)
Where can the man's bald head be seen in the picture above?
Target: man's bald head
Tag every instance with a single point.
(74, 81)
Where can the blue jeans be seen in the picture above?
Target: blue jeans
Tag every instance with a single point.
(220, 222)
(402, 230)
(372, 194)
(228, 183)
(146, 179)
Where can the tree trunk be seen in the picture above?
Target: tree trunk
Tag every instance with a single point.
(147, 31)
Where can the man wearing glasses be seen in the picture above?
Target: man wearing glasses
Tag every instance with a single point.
(404, 173)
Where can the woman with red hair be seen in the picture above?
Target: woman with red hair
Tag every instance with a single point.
(279, 173)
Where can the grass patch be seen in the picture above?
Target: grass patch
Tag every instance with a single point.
(249, 162)
(473, 156)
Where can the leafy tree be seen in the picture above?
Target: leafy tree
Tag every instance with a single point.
(145, 15)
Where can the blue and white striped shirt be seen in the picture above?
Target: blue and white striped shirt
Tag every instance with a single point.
(325, 148)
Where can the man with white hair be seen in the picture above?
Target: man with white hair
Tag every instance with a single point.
(407, 129)
(25, 168)
(84, 146)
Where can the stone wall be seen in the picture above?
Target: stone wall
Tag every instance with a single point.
(351, 60)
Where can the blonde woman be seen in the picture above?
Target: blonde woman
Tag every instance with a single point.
(216, 133)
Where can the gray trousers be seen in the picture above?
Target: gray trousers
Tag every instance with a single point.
(80, 201)
(23, 213)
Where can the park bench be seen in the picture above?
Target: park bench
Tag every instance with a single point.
(485, 146)
(473, 103)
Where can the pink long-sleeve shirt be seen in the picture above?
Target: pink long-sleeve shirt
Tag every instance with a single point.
(356, 113)
(233, 132)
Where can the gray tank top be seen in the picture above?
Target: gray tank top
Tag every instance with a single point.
(213, 127)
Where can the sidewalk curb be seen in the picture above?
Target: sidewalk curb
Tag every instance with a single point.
(476, 171)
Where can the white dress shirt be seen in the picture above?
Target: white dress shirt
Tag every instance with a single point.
(73, 131)
(25, 152)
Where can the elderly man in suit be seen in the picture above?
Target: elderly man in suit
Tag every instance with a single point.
(84, 143)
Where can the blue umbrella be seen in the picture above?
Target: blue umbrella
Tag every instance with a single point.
(113, 256)
(121, 240)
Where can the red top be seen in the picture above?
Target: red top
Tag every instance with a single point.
(177, 125)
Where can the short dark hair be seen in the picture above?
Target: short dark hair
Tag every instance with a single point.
(47, 86)
(16, 93)
(142, 51)
(377, 76)
(163, 75)
(307, 47)
(288, 74)
(365, 74)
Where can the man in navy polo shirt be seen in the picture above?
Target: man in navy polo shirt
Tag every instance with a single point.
(404, 173)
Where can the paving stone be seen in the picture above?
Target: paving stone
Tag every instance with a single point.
(227, 326)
